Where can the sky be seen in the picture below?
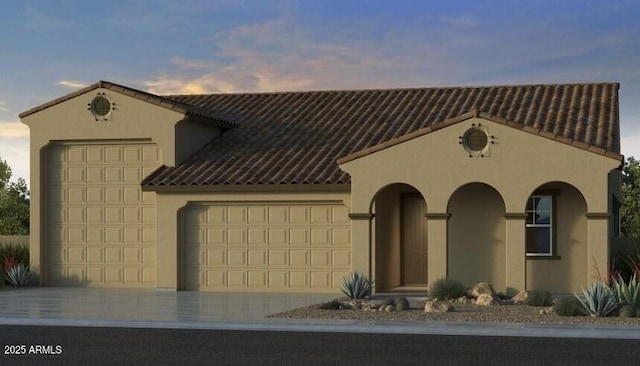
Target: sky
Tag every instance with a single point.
(51, 48)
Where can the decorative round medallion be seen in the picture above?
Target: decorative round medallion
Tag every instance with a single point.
(101, 106)
(475, 139)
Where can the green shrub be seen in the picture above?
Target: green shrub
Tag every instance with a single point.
(331, 305)
(567, 306)
(19, 276)
(538, 298)
(627, 311)
(446, 289)
(357, 286)
(401, 303)
(598, 300)
(388, 301)
(16, 254)
(627, 292)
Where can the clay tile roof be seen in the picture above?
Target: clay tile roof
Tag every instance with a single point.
(297, 137)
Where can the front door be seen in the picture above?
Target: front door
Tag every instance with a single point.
(414, 241)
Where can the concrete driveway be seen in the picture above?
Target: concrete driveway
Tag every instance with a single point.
(131, 308)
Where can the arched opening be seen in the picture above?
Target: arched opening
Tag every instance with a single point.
(476, 249)
(562, 265)
(400, 245)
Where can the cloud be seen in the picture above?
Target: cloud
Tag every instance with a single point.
(13, 130)
(3, 106)
(71, 84)
(282, 55)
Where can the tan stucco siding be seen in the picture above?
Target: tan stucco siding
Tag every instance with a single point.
(515, 165)
(437, 165)
(477, 247)
(572, 269)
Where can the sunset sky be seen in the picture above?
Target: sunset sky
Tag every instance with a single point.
(51, 48)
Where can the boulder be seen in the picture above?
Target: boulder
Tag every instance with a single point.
(438, 307)
(390, 308)
(482, 288)
(487, 300)
(520, 297)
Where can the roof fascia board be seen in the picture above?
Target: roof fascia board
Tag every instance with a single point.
(230, 188)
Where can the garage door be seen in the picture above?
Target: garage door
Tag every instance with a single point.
(101, 226)
(301, 247)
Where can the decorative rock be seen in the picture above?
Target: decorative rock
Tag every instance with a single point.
(486, 300)
(390, 308)
(482, 288)
(545, 311)
(438, 307)
(520, 297)
(464, 300)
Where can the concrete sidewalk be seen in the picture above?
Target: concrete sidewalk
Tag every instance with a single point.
(236, 311)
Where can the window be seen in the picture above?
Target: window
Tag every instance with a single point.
(539, 226)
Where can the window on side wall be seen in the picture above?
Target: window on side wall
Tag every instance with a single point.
(539, 226)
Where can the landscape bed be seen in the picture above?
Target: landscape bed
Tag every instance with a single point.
(463, 313)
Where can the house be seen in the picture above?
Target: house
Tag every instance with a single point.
(289, 192)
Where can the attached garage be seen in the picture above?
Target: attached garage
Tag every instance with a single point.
(101, 229)
(254, 246)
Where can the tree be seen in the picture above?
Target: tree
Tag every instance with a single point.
(14, 203)
(630, 200)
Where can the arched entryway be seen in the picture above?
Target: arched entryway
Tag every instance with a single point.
(556, 239)
(476, 248)
(400, 232)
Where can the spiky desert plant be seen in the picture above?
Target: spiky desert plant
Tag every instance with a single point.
(598, 300)
(19, 276)
(357, 286)
(627, 292)
(446, 288)
(567, 306)
(538, 298)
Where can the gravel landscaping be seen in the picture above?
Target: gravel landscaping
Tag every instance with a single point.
(463, 313)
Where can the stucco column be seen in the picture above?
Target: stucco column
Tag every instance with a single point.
(598, 245)
(361, 243)
(167, 254)
(36, 213)
(437, 245)
(516, 257)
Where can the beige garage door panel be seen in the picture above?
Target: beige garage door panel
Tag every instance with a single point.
(277, 247)
(101, 225)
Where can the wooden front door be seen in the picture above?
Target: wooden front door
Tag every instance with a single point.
(414, 241)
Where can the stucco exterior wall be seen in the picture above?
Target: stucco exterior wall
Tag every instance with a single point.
(71, 121)
(477, 246)
(572, 269)
(515, 165)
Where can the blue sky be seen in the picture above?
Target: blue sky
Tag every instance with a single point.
(51, 48)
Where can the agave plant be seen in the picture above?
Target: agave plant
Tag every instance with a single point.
(357, 286)
(19, 276)
(598, 300)
(628, 292)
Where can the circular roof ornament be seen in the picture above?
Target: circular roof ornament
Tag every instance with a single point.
(476, 141)
(101, 107)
